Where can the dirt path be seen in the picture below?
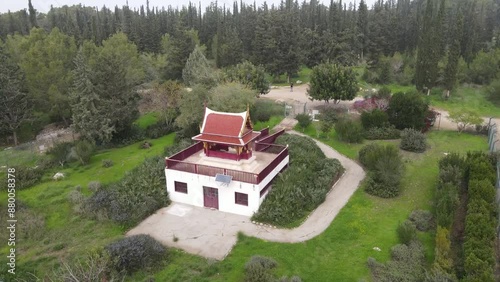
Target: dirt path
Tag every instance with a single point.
(212, 233)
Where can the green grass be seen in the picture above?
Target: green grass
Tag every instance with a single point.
(271, 123)
(147, 120)
(16, 157)
(303, 75)
(338, 254)
(341, 252)
(472, 98)
(65, 228)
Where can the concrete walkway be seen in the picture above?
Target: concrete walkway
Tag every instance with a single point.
(212, 234)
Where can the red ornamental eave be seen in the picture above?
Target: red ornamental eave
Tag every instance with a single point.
(226, 128)
(228, 140)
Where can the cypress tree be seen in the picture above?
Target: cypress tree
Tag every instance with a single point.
(450, 74)
(32, 12)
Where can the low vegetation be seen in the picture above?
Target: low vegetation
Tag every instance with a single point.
(385, 169)
(302, 187)
(413, 141)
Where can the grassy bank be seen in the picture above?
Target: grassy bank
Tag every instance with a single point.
(340, 253)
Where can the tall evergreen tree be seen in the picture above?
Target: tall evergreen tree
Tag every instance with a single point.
(362, 27)
(32, 12)
(13, 98)
(450, 73)
(198, 70)
(89, 115)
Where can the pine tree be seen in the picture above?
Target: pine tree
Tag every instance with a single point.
(362, 26)
(450, 74)
(32, 12)
(198, 70)
(13, 99)
(89, 117)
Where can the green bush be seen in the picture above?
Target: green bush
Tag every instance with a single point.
(304, 120)
(27, 176)
(494, 91)
(407, 264)
(60, 152)
(408, 110)
(370, 154)
(382, 133)
(263, 110)
(349, 131)
(329, 114)
(422, 219)
(407, 232)
(452, 159)
(451, 174)
(446, 203)
(135, 252)
(84, 150)
(257, 269)
(178, 146)
(137, 195)
(413, 141)
(107, 163)
(375, 118)
(301, 187)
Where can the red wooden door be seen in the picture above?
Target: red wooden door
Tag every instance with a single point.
(211, 197)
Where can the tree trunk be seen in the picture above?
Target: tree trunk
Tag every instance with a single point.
(15, 137)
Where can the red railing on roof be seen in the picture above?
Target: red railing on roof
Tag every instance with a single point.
(242, 176)
(264, 143)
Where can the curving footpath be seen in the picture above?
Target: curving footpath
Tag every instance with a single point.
(212, 233)
(322, 216)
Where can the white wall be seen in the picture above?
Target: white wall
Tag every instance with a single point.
(195, 183)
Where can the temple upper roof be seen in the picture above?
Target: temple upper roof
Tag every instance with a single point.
(226, 128)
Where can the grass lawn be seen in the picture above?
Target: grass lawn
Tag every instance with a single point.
(271, 123)
(147, 120)
(341, 252)
(472, 98)
(15, 157)
(67, 233)
(303, 75)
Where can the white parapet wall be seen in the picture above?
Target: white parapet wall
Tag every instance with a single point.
(226, 193)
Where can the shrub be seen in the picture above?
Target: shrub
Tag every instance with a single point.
(446, 203)
(135, 252)
(60, 152)
(408, 110)
(452, 159)
(329, 115)
(178, 146)
(84, 150)
(464, 118)
(27, 176)
(382, 133)
(494, 91)
(375, 118)
(451, 174)
(159, 129)
(33, 226)
(107, 163)
(349, 131)
(94, 186)
(303, 186)
(137, 195)
(407, 232)
(443, 250)
(384, 93)
(304, 120)
(370, 154)
(263, 110)
(257, 269)
(413, 141)
(94, 266)
(407, 264)
(422, 219)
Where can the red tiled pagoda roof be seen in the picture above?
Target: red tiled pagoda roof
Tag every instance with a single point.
(226, 128)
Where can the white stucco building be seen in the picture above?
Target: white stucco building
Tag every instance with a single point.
(230, 168)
